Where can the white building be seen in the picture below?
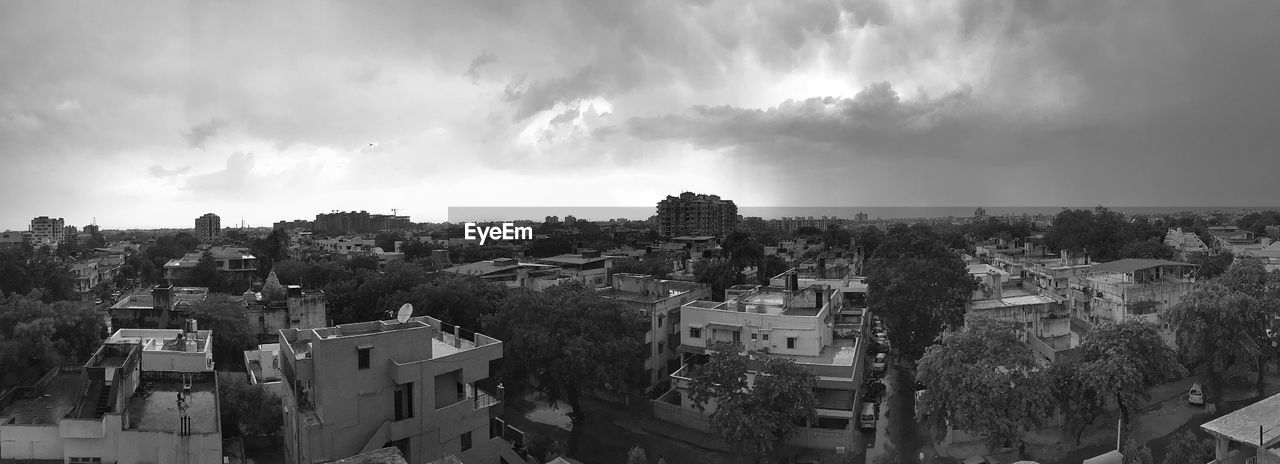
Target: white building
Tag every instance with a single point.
(144, 396)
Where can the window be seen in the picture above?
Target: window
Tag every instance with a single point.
(362, 358)
(661, 345)
(404, 401)
(660, 318)
(466, 441)
(753, 336)
(791, 343)
(737, 336)
(764, 337)
(695, 332)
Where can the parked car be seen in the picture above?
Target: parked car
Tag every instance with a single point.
(1196, 395)
(870, 412)
(881, 360)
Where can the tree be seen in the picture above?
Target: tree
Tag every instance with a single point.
(35, 335)
(653, 264)
(550, 246)
(636, 456)
(366, 262)
(1133, 454)
(1118, 361)
(226, 318)
(1189, 446)
(387, 240)
(1211, 265)
(756, 398)
(1153, 248)
(1211, 328)
(836, 237)
(918, 287)
(984, 379)
(462, 301)
(770, 266)
(720, 275)
(205, 274)
(570, 340)
(248, 409)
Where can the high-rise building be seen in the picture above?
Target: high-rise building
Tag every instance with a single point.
(208, 227)
(696, 214)
(355, 222)
(47, 231)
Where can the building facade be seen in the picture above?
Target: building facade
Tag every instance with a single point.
(1130, 288)
(659, 301)
(283, 307)
(420, 386)
(208, 227)
(696, 214)
(47, 231)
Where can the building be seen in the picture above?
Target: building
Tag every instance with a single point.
(161, 307)
(980, 213)
(696, 214)
(421, 386)
(1045, 319)
(14, 239)
(89, 273)
(1253, 431)
(1117, 290)
(283, 307)
(388, 455)
(263, 367)
(659, 301)
(301, 224)
(587, 266)
(1185, 242)
(208, 227)
(792, 321)
(47, 231)
(511, 273)
(354, 222)
(144, 396)
(235, 264)
(789, 225)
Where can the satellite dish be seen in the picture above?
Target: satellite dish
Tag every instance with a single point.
(406, 311)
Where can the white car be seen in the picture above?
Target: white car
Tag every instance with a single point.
(879, 363)
(1196, 395)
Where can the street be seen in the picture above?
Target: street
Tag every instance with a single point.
(898, 438)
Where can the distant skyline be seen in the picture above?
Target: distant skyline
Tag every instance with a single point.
(151, 113)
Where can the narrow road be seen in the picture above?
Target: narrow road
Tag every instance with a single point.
(898, 438)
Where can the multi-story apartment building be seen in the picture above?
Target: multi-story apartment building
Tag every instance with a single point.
(789, 225)
(234, 263)
(1118, 290)
(282, 307)
(794, 322)
(660, 301)
(47, 231)
(587, 266)
(419, 386)
(144, 396)
(208, 227)
(89, 273)
(696, 214)
(356, 222)
(1042, 316)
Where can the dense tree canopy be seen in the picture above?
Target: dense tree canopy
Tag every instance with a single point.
(225, 316)
(918, 287)
(758, 397)
(1107, 235)
(35, 335)
(720, 275)
(1115, 361)
(25, 270)
(570, 340)
(248, 409)
(983, 379)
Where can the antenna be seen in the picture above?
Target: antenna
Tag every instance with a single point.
(396, 211)
(406, 311)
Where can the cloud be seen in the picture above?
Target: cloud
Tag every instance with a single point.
(545, 94)
(199, 133)
(478, 62)
(234, 179)
(161, 172)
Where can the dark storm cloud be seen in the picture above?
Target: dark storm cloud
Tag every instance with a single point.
(199, 133)
(545, 94)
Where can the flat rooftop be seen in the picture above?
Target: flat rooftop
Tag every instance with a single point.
(772, 301)
(841, 352)
(646, 297)
(157, 410)
(158, 339)
(51, 405)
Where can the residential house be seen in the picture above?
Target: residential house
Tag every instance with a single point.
(511, 273)
(421, 386)
(795, 322)
(283, 307)
(160, 307)
(587, 266)
(236, 264)
(144, 396)
(263, 367)
(1127, 288)
(1253, 431)
(659, 301)
(1185, 242)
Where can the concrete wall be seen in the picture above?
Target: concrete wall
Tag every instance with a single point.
(30, 442)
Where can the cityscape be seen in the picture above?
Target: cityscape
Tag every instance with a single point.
(598, 232)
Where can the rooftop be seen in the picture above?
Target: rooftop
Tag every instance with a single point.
(388, 455)
(491, 267)
(1131, 265)
(49, 406)
(841, 352)
(774, 301)
(1243, 425)
(157, 408)
(158, 339)
(572, 259)
(1011, 301)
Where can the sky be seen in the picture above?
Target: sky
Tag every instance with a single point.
(149, 114)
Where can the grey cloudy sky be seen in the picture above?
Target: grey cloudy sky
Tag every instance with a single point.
(151, 113)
